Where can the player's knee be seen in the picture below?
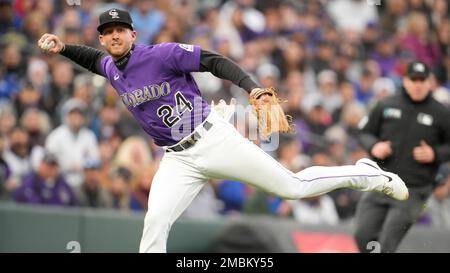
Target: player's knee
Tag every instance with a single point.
(157, 220)
(158, 210)
(156, 224)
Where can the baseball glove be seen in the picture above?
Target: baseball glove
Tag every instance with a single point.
(270, 114)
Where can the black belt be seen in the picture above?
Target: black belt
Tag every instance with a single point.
(190, 141)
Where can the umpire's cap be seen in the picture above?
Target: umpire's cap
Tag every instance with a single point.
(418, 70)
(114, 16)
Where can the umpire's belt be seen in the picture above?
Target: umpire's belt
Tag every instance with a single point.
(190, 141)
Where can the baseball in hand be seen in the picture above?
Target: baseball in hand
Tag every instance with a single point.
(48, 45)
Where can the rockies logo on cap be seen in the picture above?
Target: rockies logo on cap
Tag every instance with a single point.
(114, 14)
(419, 67)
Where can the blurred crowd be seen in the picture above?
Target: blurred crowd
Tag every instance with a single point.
(66, 138)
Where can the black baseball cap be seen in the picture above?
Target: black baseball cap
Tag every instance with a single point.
(114, 16)
(418, 70)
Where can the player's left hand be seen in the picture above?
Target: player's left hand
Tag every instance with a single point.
(424, 153)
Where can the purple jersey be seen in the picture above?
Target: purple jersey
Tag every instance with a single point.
(159, 91)
(35, 190)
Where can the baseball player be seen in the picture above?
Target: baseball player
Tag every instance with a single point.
(155, 84)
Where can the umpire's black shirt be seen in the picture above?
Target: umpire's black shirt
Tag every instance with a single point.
(405, 123)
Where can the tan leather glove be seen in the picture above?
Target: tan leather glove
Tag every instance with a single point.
(270, 114)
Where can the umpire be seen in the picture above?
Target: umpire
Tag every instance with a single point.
(408, 134)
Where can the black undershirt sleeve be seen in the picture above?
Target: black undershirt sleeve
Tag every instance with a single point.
(88, 57)
(224, 68)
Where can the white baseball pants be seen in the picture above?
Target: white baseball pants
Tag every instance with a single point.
(223, 153)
